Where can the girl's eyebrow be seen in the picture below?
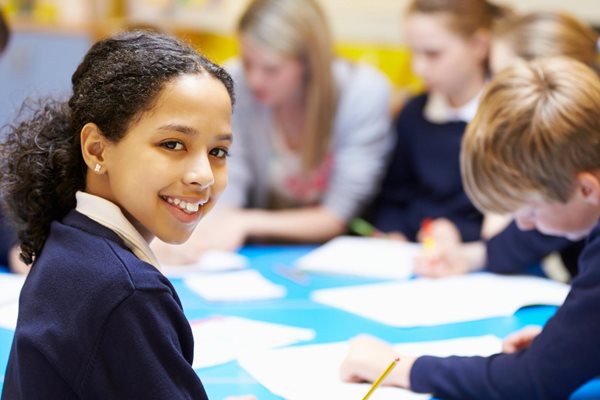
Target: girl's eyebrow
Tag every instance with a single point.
(225, 137)
(179, 128)
(191, 131)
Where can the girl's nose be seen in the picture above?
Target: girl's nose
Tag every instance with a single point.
(200, 173)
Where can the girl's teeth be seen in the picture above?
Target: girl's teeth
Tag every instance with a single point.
(183, 205)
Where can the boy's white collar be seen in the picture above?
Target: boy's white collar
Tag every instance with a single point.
(110, 215)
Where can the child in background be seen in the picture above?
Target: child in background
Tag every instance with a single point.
(312, 134)
(138, 151)
(518, 37)
(449, 41)
(533, 150)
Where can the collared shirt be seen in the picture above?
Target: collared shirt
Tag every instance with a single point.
(438, 110)
(110, 215)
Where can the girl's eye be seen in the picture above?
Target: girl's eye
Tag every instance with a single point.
(173, 145)
(219, 152)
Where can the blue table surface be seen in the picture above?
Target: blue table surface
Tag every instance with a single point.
(330, 324)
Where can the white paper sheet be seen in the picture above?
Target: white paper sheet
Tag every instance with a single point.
(235, 286)
(222, 339)
(312, 372)
(8, 315)
(211, 261)
(10, 287)
(360, 256)
(425, 302)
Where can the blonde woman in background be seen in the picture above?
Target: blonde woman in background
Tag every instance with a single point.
(312, 134)
(510, 250)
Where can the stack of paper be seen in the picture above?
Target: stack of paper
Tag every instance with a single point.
(222, 339)
(313, 372)
(211, 261)
(425, 302)
(362, 256)
(235, 286)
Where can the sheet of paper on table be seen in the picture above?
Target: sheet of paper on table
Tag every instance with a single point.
(362, 256)
(221, 339)
(426, 302)
(211, 261)
(312, 371)
(243, 285)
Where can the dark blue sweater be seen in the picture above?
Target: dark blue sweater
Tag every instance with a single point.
(562, 358)
(513, 250)
(96, 322)
(423, 178)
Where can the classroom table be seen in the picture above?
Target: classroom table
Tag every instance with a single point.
(331, 325)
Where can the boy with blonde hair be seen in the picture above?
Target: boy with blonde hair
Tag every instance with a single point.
(533, 150)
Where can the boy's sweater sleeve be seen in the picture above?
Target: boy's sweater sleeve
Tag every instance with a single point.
(562, 358)
(141, 354)
(514, 250)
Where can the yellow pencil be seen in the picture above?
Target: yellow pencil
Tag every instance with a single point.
(381, 378)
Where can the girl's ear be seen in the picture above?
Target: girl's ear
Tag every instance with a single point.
(93, 146)
(588, 185)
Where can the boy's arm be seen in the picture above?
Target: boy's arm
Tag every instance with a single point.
(513, 250)
(560, 359)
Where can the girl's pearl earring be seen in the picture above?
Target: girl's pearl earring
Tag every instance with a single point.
(97, 168)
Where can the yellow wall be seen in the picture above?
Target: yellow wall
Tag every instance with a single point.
(394, 61)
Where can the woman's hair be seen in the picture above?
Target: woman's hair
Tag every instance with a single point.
(41, 165)
(299, 29)
(545, 34)
(4, 33)
(536, 128)
(466, 16)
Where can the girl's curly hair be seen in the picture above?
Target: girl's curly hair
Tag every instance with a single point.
(41, 166)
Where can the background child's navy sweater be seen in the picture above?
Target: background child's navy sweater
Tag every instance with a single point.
(423, 178)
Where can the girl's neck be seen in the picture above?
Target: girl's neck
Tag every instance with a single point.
(467, 92)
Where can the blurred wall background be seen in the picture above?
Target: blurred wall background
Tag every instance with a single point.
(51, 36)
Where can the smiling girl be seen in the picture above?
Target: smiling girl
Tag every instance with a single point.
(137, 152)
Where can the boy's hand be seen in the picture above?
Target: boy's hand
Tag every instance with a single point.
(521, 339)
(368, 358)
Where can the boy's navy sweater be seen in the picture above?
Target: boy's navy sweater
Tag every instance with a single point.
(96, 322)
(513, 250)
(562, 358)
